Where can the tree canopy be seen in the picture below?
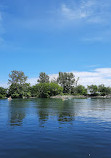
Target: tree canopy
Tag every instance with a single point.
(93, 89)
(64, 84)
(66, 80)
(18, 86)
(104, 90)
(3, 92)
(46, 90)
(17, 77)
(43, 78)
(79, 90)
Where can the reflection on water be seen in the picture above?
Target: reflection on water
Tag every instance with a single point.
(17, 112)
(32, 128)
(47, 108)
(63, 111)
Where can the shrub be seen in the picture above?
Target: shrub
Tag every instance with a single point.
(45, 90)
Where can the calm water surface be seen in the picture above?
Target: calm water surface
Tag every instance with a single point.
(52, 128)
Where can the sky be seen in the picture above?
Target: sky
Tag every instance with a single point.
(56, 35)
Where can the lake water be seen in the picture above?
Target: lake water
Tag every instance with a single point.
(52, 128)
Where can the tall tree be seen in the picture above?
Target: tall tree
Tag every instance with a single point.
(17, 77)
(18, 86)
(66, 80)
(43, 78)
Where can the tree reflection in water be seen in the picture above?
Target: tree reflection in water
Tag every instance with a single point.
(62, 110)
(66, 113)
(42, 106)
(45, 109)
(17, 112)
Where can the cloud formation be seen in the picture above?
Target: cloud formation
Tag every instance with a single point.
(2, 84)
(93, 15)
(97, 76)
(93, 11)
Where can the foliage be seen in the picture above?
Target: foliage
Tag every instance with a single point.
(3, 92)
(19, 90)
(18, 86)
(34, 91)
(66, 80)
(55, 89)
(104, 90)
(93, 89)
(65, 84)
(79, 90)
(45, 90)
(17, 77)
(99, 90)
(43, 78)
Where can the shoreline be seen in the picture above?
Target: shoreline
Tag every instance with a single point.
(66, 97)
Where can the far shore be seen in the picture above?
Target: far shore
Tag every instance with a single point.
(66, 97)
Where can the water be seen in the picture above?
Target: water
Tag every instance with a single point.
(52, 128)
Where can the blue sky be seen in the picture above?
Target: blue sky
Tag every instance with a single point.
(56, 35)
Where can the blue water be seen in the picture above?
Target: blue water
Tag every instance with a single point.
(52, 128)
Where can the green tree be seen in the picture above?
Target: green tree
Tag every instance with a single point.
(55, 89)
(17, 77)
(19, 91)
(3, 92)
(43, 78)
(18, 86)
(46, 90)
(66, 80)
(79, 90)
(34, 91)
(104, 90)
(93, 89)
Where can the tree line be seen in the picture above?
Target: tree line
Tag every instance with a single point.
(65, 84)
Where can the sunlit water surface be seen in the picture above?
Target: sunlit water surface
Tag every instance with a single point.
(52, 128)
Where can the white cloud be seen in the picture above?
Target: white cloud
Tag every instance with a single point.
(97, 76)
(93, 14)
(2, 84)
(93, 11)
(32, 81)
(72, 13)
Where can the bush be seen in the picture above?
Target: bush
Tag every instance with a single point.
(79, 90)
(46, 90)
(3, 92)
(104, 90)
(19, 91)
(93, 89)
(1, 96)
